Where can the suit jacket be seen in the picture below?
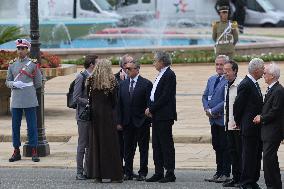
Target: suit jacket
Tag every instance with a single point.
(247, 105)
(132, 110)
(214, 99)
(80, 97)
(164, 105)
(272, 114)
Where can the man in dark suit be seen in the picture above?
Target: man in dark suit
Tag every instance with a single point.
(247, 105)
(120, 76)
(271, 119)
(162, 109)
(80, 97)
(134, 93)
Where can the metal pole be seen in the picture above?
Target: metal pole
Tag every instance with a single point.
(75, 9)
(43, 146)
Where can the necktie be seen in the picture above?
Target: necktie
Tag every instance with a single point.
(131, 89)
(217, 81)
(258, 88)
(267, 90)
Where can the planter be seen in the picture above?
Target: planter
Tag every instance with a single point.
(50, 73)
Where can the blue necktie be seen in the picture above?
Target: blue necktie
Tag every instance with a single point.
(217, 81)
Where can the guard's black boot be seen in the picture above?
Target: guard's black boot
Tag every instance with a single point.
(16, 155)
(35, 157)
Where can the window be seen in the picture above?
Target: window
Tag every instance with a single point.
(88, 6)
(146, 1)
(129, 2)
(253, 5)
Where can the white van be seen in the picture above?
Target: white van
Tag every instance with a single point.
(96, 9)
(259, 12)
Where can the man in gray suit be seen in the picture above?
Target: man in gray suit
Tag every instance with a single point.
(80, 97)
(23, 78)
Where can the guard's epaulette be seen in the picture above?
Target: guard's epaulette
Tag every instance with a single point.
(12, 61)
(215, 23)
(234, 24)
(33, 60)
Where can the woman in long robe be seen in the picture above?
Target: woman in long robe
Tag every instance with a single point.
(104, 156)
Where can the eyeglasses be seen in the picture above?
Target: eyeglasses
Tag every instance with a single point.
(21, 48)
(128, 68)
(223, 12)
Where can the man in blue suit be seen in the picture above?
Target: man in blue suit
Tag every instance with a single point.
(213, 104)
(134, 93)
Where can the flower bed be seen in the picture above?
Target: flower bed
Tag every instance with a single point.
(47, 60)
(189, 57)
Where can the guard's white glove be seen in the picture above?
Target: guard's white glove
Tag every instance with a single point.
(19, 84)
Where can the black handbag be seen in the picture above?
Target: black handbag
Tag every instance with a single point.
(86, 113)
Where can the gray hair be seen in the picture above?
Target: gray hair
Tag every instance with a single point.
(255, 64)
(122, 60)
(224, 57)
(274, 70)
(164, 57)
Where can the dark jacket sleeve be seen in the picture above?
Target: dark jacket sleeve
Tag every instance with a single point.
(275, 109)
(78, 96)
(240, 103)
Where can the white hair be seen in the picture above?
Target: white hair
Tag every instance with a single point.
(224, 57)
(255, 64)
(274, 70)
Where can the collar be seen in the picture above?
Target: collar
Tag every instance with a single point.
(164, 69)
(88, 72)
(135, 78)
(251, 78)
(272, 84)
(237, 81)
(22, 60)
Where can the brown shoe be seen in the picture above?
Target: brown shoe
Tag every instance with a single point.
(16, 155)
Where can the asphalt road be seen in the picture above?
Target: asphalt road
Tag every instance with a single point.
(13, 178)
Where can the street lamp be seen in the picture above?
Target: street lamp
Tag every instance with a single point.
(43, 146)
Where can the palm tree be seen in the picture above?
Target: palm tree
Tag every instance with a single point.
(9, 33)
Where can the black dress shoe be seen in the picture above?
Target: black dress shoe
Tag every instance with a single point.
(168, 178)
(246, 186)
(229, 183)
(255, 186)
(155, 178)
(16, 156)
(141, 178)
(128, 177)
(213, 178)
(80, 176)
(135, 175)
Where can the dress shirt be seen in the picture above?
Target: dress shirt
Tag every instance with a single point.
(161, 73)
(135, 81)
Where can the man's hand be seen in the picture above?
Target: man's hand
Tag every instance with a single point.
(119, 127)
(256, 120)
(148, 113)
(122, 75)
(208, 113)
(236, 127)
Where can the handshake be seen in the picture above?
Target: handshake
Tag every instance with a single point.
(19, 84)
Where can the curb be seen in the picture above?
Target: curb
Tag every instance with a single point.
(66, 138)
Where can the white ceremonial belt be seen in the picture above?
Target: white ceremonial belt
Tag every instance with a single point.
(223, 42)
(29, 84)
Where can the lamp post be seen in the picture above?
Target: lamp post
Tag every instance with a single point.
(43, 146)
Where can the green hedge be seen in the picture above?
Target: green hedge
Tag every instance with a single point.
(184, 57)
